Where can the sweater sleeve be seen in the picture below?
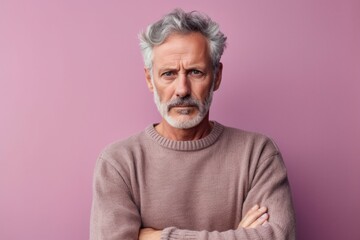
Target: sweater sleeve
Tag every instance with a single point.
(270, 188)
(114, 215)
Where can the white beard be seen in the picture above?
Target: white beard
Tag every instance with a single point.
(178, 122)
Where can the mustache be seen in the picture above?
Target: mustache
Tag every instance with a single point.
(189, 101)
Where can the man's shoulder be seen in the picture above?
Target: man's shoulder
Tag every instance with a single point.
(124, 147)
(249, 138)
(245, 134)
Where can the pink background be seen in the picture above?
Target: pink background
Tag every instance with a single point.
(71, 81)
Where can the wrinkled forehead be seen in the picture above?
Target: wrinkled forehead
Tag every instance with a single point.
(189, 48)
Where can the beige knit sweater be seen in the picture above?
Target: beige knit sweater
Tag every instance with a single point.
(191, 189)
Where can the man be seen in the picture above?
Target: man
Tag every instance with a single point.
(187, 177)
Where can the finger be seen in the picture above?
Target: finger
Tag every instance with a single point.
(262, 219)
(253, 209)
(252, 217)
(149, 233)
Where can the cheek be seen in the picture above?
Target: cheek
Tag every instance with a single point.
(201, 92)
(165, 94)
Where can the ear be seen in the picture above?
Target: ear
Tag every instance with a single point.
(148, 79)
(218, 77)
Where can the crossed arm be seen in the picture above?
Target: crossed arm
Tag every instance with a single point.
(256, 216)
(120, 219)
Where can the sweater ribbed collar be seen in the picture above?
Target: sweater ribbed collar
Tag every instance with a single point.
(186, 145)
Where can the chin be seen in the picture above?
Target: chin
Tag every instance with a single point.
(184, 122)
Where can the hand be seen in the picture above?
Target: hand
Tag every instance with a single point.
(254, 217)
(149, 234)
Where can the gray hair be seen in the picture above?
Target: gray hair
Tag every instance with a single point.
(181, 22)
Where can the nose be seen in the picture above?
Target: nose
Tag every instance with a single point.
(182, 86)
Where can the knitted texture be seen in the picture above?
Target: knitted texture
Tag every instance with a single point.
(191, 189)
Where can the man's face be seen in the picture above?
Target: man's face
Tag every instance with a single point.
(182, 79)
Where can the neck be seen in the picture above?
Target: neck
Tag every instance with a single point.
(199, 131)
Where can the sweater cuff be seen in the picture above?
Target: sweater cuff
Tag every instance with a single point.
(172, 233)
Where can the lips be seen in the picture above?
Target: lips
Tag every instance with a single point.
(181, 106)
(184, 106)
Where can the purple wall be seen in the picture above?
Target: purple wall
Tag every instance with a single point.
(71, 81)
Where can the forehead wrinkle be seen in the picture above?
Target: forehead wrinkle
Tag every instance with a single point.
(182, 62)
(175, 53)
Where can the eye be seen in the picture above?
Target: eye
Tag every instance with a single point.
(167, 74)
(195, 72)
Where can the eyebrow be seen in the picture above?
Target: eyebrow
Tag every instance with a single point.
(164, 69)
(195, 66)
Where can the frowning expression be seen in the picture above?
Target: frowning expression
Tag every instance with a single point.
(182, 79)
